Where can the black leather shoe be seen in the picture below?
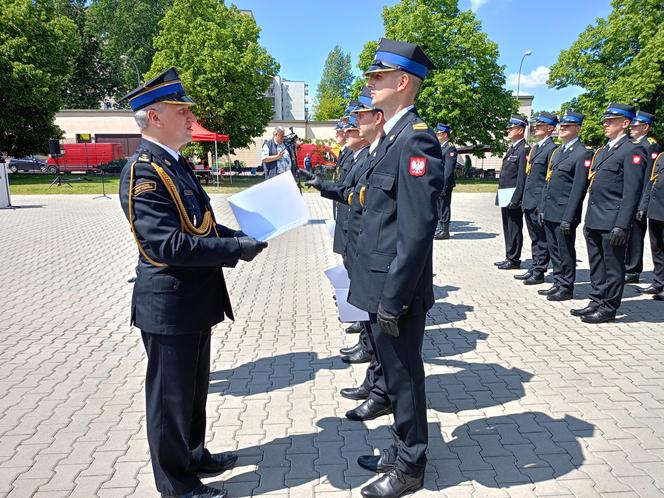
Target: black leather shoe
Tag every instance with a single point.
(384, 462)
(524, 276)
(534, 280)
(659, 297)
(501, 262)
(361, 356)
(599, 317)
(632, 278)
(547, 292)
(393, 484)
(369, 410)
(509, 265)
(354, 328)
(561, 295)
(356, 393)
(591, 308)
(201, 491)
(351, 349)
(651, 289)
(218, 463)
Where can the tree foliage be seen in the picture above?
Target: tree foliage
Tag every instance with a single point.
(224, 69)
(466, 89)
(617, 59)
(333, 90)
(125, 27)
(37, 50)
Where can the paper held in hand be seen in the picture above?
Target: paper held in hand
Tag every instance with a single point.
(338, 277)
(505, 196)
(270, 208)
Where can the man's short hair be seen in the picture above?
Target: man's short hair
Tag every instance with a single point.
(278, 129)
(141, 116)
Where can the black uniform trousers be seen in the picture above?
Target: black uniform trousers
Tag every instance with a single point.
(444, 205)
(635, 245)
(374, 381)
(562, 251)
(538, 246)
(403, 371)
(657, 248)
(513, 233)
(607, 269)
(176, 387)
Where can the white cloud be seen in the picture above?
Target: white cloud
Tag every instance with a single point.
(536, 78)
(476, 4)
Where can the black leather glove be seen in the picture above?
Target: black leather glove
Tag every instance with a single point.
(239, 233)
(640, 215)
(250, 247)
(388, 322)
(565, 228)
(306, 174)
(511, 205)
(618, 237)
(316, 183)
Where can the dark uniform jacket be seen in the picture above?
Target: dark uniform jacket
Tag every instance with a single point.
(513, 170)
(180, 286)
(449, 153)
(615, 188)
(393, 259)
(655, 207)
(652, 149)
(563, 194)
(336, 192)
(355, 208)
(538, 159)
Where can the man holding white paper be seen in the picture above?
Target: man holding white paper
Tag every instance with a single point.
(512, 179)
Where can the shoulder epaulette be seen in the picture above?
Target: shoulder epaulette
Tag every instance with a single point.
(420, 126)
(652, 140)
(144, 157)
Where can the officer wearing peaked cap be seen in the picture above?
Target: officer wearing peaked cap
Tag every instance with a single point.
(513, 175)
(392, 274)
(562, 200)
(634, 258)
(538, 159)
(655, 212)
(616, 180)
(180, 291)
(449, 152)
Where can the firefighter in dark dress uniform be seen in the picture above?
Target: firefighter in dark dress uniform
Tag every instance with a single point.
(449, 152)
(180, 292)
(392, 273)
(513, 175)
(616, 180)
(562, 202)
(654, 210)
(538, 160)
(634, 258)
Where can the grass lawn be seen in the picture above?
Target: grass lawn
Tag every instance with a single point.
(32, 184)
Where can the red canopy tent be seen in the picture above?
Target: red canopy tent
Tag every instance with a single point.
(200, 134)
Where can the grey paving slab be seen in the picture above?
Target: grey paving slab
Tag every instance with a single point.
(524, 399)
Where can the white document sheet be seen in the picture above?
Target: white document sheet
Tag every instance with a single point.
(270, 208)
(505, 196)
(330, 225)
(338, 277)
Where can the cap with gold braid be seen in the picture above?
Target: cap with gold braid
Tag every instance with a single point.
(166, 88)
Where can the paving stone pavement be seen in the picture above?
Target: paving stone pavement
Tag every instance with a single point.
(524, 400)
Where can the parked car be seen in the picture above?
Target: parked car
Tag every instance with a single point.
(85, 157)
(321, 155)
(29, 164)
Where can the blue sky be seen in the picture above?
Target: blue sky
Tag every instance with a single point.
(300, 34)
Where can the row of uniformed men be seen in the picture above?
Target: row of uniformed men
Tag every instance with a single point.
(551, 182)
(387, 199)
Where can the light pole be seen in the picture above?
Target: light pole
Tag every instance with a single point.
(125, 59)
(518, 79)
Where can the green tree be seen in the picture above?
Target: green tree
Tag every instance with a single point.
(333, 90)
(126, 27)
(620, 58)
(225, 70)
(93, 78)
(37, 51)
(466, 89)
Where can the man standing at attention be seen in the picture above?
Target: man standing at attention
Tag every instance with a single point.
(392, 272)
(449, 152)
(180, 291)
